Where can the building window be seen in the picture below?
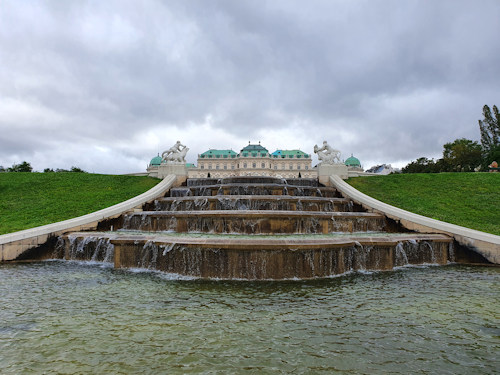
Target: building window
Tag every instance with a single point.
(254, 165)
(275, 167)
(217, 166)
(202, 166)
(225, 166)
(298, 167)
(263, 165)
(244, 165)
(307, 167)
(291, 166)
(232, 166)
(210, 166)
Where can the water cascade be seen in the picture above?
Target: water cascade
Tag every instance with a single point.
(257, 228)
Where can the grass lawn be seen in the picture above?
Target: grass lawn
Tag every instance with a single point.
(29, 200)
(471, 200)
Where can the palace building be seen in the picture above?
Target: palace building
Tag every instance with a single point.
(253, 160)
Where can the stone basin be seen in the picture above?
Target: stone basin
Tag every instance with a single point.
(254, 222)
(253, 202)
(284, 257)
(254, 189)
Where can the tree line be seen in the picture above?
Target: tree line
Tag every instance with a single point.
(465, 155)
(26, 167)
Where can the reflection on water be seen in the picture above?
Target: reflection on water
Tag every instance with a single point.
(70, 317)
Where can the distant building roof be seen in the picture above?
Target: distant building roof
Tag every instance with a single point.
(156, 160)
(254, 148)
(218, 154)
(190, 165)
(382, 169)
(290, 154)
(352, 162)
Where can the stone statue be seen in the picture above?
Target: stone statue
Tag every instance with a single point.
(176, 153)
(327, 154)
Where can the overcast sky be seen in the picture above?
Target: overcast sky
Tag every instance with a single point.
(106, 85)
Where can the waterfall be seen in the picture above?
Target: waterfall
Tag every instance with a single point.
(451, 253)
(90, 248)
(401, 259)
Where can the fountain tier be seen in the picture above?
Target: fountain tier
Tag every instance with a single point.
(254, 202)
(254, 222)
(278, 257)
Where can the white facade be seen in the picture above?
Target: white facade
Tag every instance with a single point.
(253, 162)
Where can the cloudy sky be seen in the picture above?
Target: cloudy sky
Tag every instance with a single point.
(106, 85)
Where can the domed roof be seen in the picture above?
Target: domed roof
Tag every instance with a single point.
(156, 160)
(352, 162)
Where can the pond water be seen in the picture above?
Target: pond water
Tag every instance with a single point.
(73, 317)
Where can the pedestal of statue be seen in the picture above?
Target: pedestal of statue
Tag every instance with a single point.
(173, 168)
(327, 170)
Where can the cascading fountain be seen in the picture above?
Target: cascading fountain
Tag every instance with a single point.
(257, 228)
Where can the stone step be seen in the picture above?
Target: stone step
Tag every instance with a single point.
(254, 189)
(252, 180)
(253, 202)
(254, 222)
(258, 257)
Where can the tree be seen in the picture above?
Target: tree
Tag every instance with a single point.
(23, 167)
(48, 170)
(490, 135)
(462, 155)
(421, 165)
(2, 169)
(78, 170)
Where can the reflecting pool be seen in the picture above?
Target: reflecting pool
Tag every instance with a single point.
(72, 317)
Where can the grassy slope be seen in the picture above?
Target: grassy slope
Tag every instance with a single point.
(31, 199)
(468, 199)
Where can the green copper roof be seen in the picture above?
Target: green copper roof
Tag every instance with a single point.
(254, 148)
(290, 154)
(156, 160)
(352, 162)
(218, 154)
(190, 165)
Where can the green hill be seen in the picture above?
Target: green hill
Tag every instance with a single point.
(29, 200)
(471, 200)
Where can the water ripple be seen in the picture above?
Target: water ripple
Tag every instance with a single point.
(73, 317)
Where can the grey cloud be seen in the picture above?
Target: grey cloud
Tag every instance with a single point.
(103, 73)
